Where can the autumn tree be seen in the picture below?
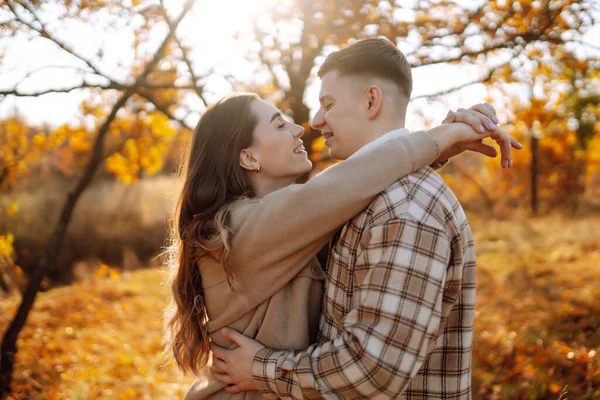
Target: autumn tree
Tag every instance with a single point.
(489, 34)
(127, 120)
(559, 117)
(149, 82)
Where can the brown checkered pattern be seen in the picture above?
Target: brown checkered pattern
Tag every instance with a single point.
(397, 318)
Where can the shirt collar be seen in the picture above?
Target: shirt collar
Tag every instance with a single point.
(381, 140)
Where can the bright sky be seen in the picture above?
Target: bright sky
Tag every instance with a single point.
(218, 50)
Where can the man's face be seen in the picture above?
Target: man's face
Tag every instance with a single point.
(342, 117)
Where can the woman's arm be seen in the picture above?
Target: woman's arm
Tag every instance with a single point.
(276, 236)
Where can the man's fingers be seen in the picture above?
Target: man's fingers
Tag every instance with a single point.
(223, 378)
(485, 149)
(219, 366)
(515, 143)
(218, 352)
(233, 389)
(234, 336)
(504, 141)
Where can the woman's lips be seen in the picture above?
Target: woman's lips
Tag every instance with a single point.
(300, 149)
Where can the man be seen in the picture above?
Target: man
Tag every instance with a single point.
(398, 308)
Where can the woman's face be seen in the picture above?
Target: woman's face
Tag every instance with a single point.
(277, 146)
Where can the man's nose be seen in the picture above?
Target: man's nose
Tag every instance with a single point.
(318, 120)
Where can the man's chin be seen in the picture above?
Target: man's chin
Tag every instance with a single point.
(337, 154)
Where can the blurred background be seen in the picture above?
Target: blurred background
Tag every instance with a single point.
(97, 102)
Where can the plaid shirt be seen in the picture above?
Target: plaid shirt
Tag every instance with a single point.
(398, 310)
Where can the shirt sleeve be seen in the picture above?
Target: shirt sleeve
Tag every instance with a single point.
(387, 336)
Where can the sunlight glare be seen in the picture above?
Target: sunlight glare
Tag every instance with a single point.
(225, 18)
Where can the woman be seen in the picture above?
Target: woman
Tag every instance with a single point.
(245, 238)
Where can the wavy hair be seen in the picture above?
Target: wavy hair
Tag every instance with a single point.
(212, 181)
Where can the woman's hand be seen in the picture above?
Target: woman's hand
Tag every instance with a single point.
(481, 119)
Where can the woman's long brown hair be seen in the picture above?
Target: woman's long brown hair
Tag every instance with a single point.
(212, 181)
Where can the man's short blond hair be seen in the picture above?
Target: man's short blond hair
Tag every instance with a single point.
(374, 57)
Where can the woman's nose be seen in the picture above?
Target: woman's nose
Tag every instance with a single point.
(318, 121)
(299, 132)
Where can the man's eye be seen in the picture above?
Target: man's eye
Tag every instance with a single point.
(328, 106)
(281, 126)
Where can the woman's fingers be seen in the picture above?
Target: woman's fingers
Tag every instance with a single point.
(487, 110)
(450, 117)
(478, 121)
(486, 121)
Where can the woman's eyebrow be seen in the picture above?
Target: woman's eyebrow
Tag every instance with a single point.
(276, 115)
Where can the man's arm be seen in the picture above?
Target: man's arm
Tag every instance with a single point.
(385, 339)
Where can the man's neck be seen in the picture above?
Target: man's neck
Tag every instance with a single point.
(381, 128)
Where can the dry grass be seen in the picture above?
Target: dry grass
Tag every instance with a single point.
(537, 325)
(110, 219)
(538, 308)
(96, 340)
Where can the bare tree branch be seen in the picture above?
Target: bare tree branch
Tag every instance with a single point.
(36, 70)
(84, 85)
(17, 93)
(163, 109)
(198, 89)
(485, 78)
(43, 32)
(585, 44)
(8, 349)
(3, 23)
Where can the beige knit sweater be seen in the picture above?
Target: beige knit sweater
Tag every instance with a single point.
(277, 284)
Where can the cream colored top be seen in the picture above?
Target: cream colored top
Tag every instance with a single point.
(275, 293)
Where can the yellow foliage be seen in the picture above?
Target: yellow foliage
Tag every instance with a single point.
(6, 245)
(16, 151)
(79, 140)
(39, 140)
(144, 151)
(12, 209)
(318, 144)
(107, 271)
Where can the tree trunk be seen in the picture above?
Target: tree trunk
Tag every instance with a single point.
(8, 349)
(534, 173)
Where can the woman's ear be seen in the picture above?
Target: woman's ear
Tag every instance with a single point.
(248, 161)
(374, 101)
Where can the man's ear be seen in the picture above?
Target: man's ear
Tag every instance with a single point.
(374, 101)
(248, 161)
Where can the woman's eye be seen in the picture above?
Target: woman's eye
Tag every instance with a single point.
(328, 106)
(281, 126)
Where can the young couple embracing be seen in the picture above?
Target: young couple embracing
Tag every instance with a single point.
(390, 314)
